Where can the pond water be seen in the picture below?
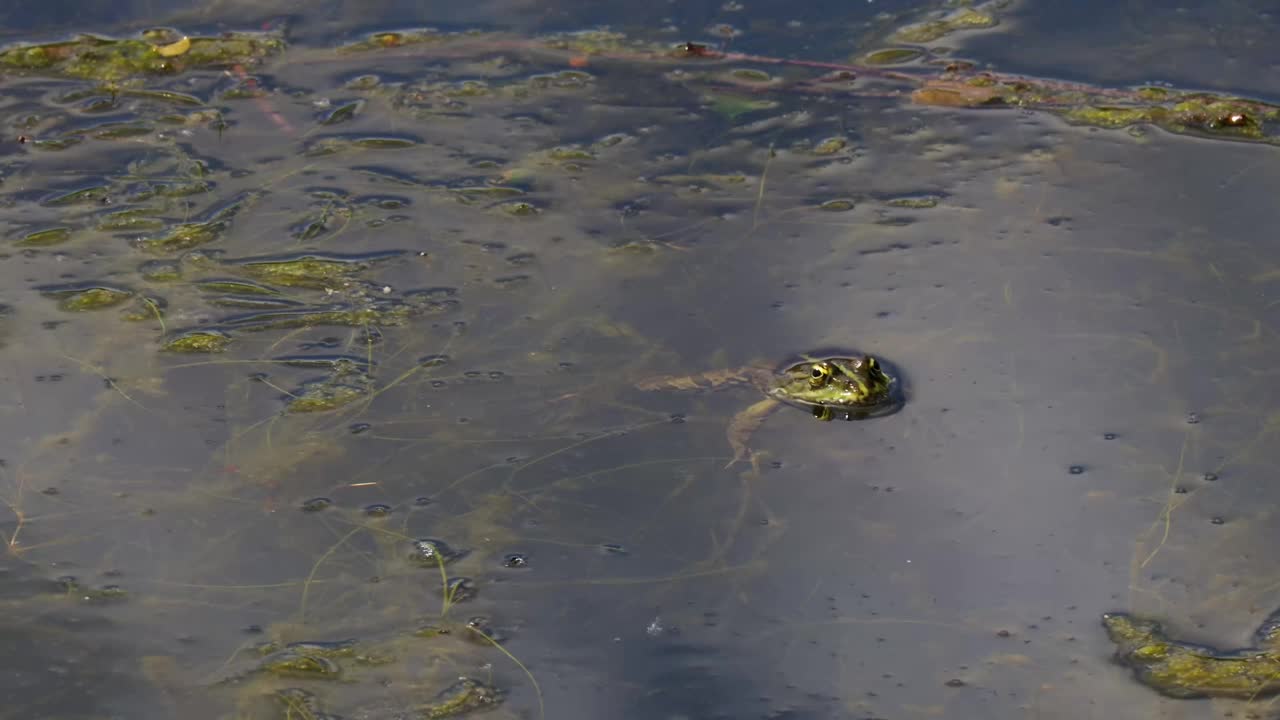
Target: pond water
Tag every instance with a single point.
(372, 360)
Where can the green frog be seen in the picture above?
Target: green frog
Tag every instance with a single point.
(853, 387)
(1186, 670)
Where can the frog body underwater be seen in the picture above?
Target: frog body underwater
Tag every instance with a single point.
(853, 387)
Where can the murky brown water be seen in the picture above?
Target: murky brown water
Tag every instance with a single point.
(436, 277)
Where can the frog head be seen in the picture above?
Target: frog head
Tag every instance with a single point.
(857, 382)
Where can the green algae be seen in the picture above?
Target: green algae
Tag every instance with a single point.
(121, 130)
(334, 145)
(45, 238)
(732, 106)
(595, 42)
(383, 143)
(171, 189)
(1186, 670)
(837, 205)
(160, 271)
(145, 309)
(464, 696)
(185, 236)
(205, 340)
(56, 144)
(914, 202)
(182, 237)
(382, 312)
(931, 30)
(325, 395)
(301, 664)
(485, 192)
(891, 56)
(131, 219)
(830, 146)
(87, 297)
(253, 302)
(95, 194)
(1200, 114)
(704, 180)
(750, 75)
(319, 648)
(404, 38)
(467, 89)
(570, 152)
(520, 209)
(235, 286)
(299, 704)
(1184, 113)
(165, 96)
(342, 113)
(307, 270)
(105, 59)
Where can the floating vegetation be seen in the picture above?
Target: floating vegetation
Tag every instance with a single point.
(327, 394)
(307, 270)
(375, 312)
(1185, 670)
(892, 56)
(732, 106)
(914, 202)
(301, 663)
(464, 696)
(599, 42)
(838, 205)
(144, 308)
(45, 238)
(405, 38)
(155, 52)
(185, 236)
(485, 192)
(751, 75)
(968, 18)
(1186, 113)
(92, 195)
(830, 146)
(81, 297)
(206, 340)
(344, 112)
(332, 145)
(133, 220)
(520, 209)
(161, 271)
(235, 286)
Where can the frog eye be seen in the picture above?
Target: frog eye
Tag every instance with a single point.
(819, 374)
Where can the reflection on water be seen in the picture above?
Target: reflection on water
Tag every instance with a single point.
(331, 390)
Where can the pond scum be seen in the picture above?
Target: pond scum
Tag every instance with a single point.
(199, 290)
